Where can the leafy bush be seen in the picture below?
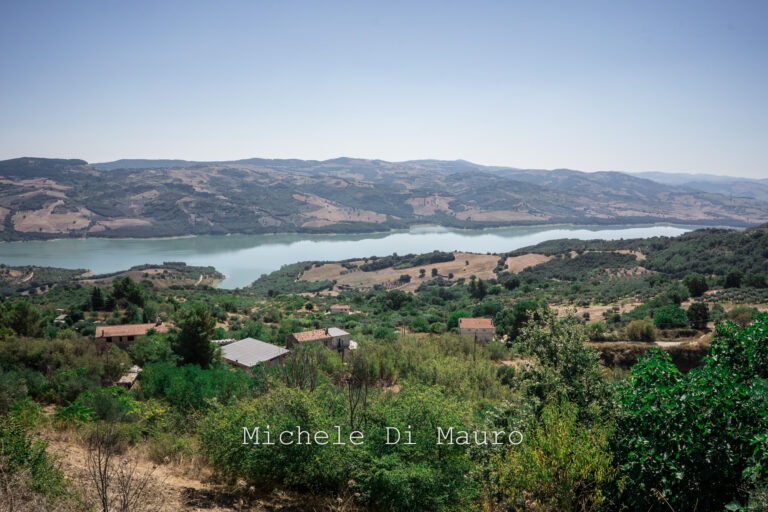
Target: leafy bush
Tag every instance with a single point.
(191, 388)
(670, 317)
(693, 438)
(641, 330)
(19, 452)
(742, 315)
(568, 369)
(561, 464)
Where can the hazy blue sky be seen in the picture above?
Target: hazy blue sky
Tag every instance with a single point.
(615, 85)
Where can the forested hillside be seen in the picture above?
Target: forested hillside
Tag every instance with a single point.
(47, 198)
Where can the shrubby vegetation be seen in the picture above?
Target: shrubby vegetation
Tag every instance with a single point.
(698, 437)
(654, 437)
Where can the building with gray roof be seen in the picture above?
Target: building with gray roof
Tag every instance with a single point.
(250, 352)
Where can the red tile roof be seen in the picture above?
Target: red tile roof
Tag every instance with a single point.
(317, 334)
(475, 323)
(110, 331)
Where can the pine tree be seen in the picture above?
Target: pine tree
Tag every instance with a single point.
(193, 341)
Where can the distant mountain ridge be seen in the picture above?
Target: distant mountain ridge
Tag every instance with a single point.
(47, 198)
(740, 187)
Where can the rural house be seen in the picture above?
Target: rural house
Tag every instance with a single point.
(479, 329)
(340, 309)
(248, 353)
(332, 338)
(125, 334)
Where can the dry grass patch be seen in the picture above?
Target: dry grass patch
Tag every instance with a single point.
(159, 277)
(45, 220)
(517, 264)
(465, 265)
(327, 212)
(595, 310)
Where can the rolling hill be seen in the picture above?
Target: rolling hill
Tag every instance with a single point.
(47, 198)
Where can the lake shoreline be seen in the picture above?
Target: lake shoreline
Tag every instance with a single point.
(615, 223)
(244, 258)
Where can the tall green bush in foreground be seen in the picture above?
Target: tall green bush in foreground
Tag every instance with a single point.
(562, 465)
(697, 441)
(419, 476)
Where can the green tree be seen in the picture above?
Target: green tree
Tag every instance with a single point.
(301, 369)
(152, 348)
(150, 312)
(478, 289)
(395, 299)
(128, 289)
(570, 369)
(422, 476)
(97, 299)
(756, 280)
(670, 316)
(696, 283)
(698, 315)
(193, 341)
(733, 279)
(511, 320)
(509, 281)
(132, 314)
(453, 318)
(24, 319)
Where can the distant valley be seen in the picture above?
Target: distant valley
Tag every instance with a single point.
(52, 198)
